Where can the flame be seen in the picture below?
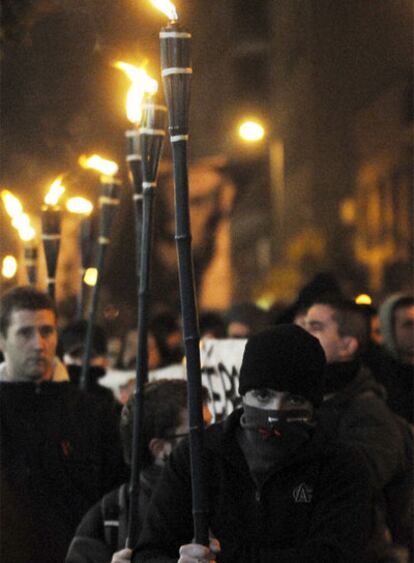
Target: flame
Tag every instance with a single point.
(167, 8)
(55, 191)
(21, 221)
(142, 84)
(9, 267)
(79, 205)
(91, 276)
(95, 162)
(27, 233)
(12, 204)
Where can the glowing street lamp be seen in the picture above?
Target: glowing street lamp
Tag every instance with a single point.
(251, 131)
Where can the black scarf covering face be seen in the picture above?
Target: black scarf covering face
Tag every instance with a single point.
(268, 437)
(339, 374)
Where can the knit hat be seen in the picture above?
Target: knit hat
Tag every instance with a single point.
(284, 358)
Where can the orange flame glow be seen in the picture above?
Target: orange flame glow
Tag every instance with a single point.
(11, 203)
(9, 267)
(55, 191)
(20, 220)
(79, 205)
(142, 84)
(96, 162)
(27, 233)
(167, 8)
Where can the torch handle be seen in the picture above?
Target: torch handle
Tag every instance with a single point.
(80, 305)
(191, 340)
(138, 209)
(51, 248)
(84, 382)
(142, 363)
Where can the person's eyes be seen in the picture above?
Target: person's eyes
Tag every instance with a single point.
(47, 331)
(295, 400)
(262, 396)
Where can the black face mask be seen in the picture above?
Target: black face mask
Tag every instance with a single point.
(272, 436)
(278, 424)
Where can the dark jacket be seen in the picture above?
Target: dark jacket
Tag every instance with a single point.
(316, 507)
(59, 454)
(358, 416)
(104, 528)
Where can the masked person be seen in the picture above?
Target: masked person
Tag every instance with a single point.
(277, 490)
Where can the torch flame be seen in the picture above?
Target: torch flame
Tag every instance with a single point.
(79, 205)
(167, 8)
(12, 204)
(55, 191)
(95, 162)
(142, 84)
(91, 277)
(27, 233)
(9, 267)
(20, 220)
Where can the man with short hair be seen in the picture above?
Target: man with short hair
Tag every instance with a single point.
(277, 490)
(59, 453)
(354, 409)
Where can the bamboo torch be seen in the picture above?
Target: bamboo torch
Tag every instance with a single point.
(152, 134)
(84, 208)
(51, 231)
(21, 222)
(176, 73)
(108, 202)
(141, 84)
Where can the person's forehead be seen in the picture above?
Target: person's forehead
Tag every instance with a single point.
(405, 312)
(321, 311)
(27, 317)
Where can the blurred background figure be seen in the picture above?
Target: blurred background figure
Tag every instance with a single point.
(71, 349)
(244, 319)
(212, 325)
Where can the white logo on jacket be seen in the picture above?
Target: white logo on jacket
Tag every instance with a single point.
(302, 493)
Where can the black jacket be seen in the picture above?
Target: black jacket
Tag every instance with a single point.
(359, 417)
(314, 508)
(104, 528)
(59, 454)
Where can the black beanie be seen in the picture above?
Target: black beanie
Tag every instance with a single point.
(284, 358)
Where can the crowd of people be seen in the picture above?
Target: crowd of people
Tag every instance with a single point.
(316, 465)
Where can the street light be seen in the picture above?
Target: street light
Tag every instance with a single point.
(251, 131)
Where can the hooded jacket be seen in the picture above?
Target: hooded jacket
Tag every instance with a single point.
(386, 316)
(315, 507)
